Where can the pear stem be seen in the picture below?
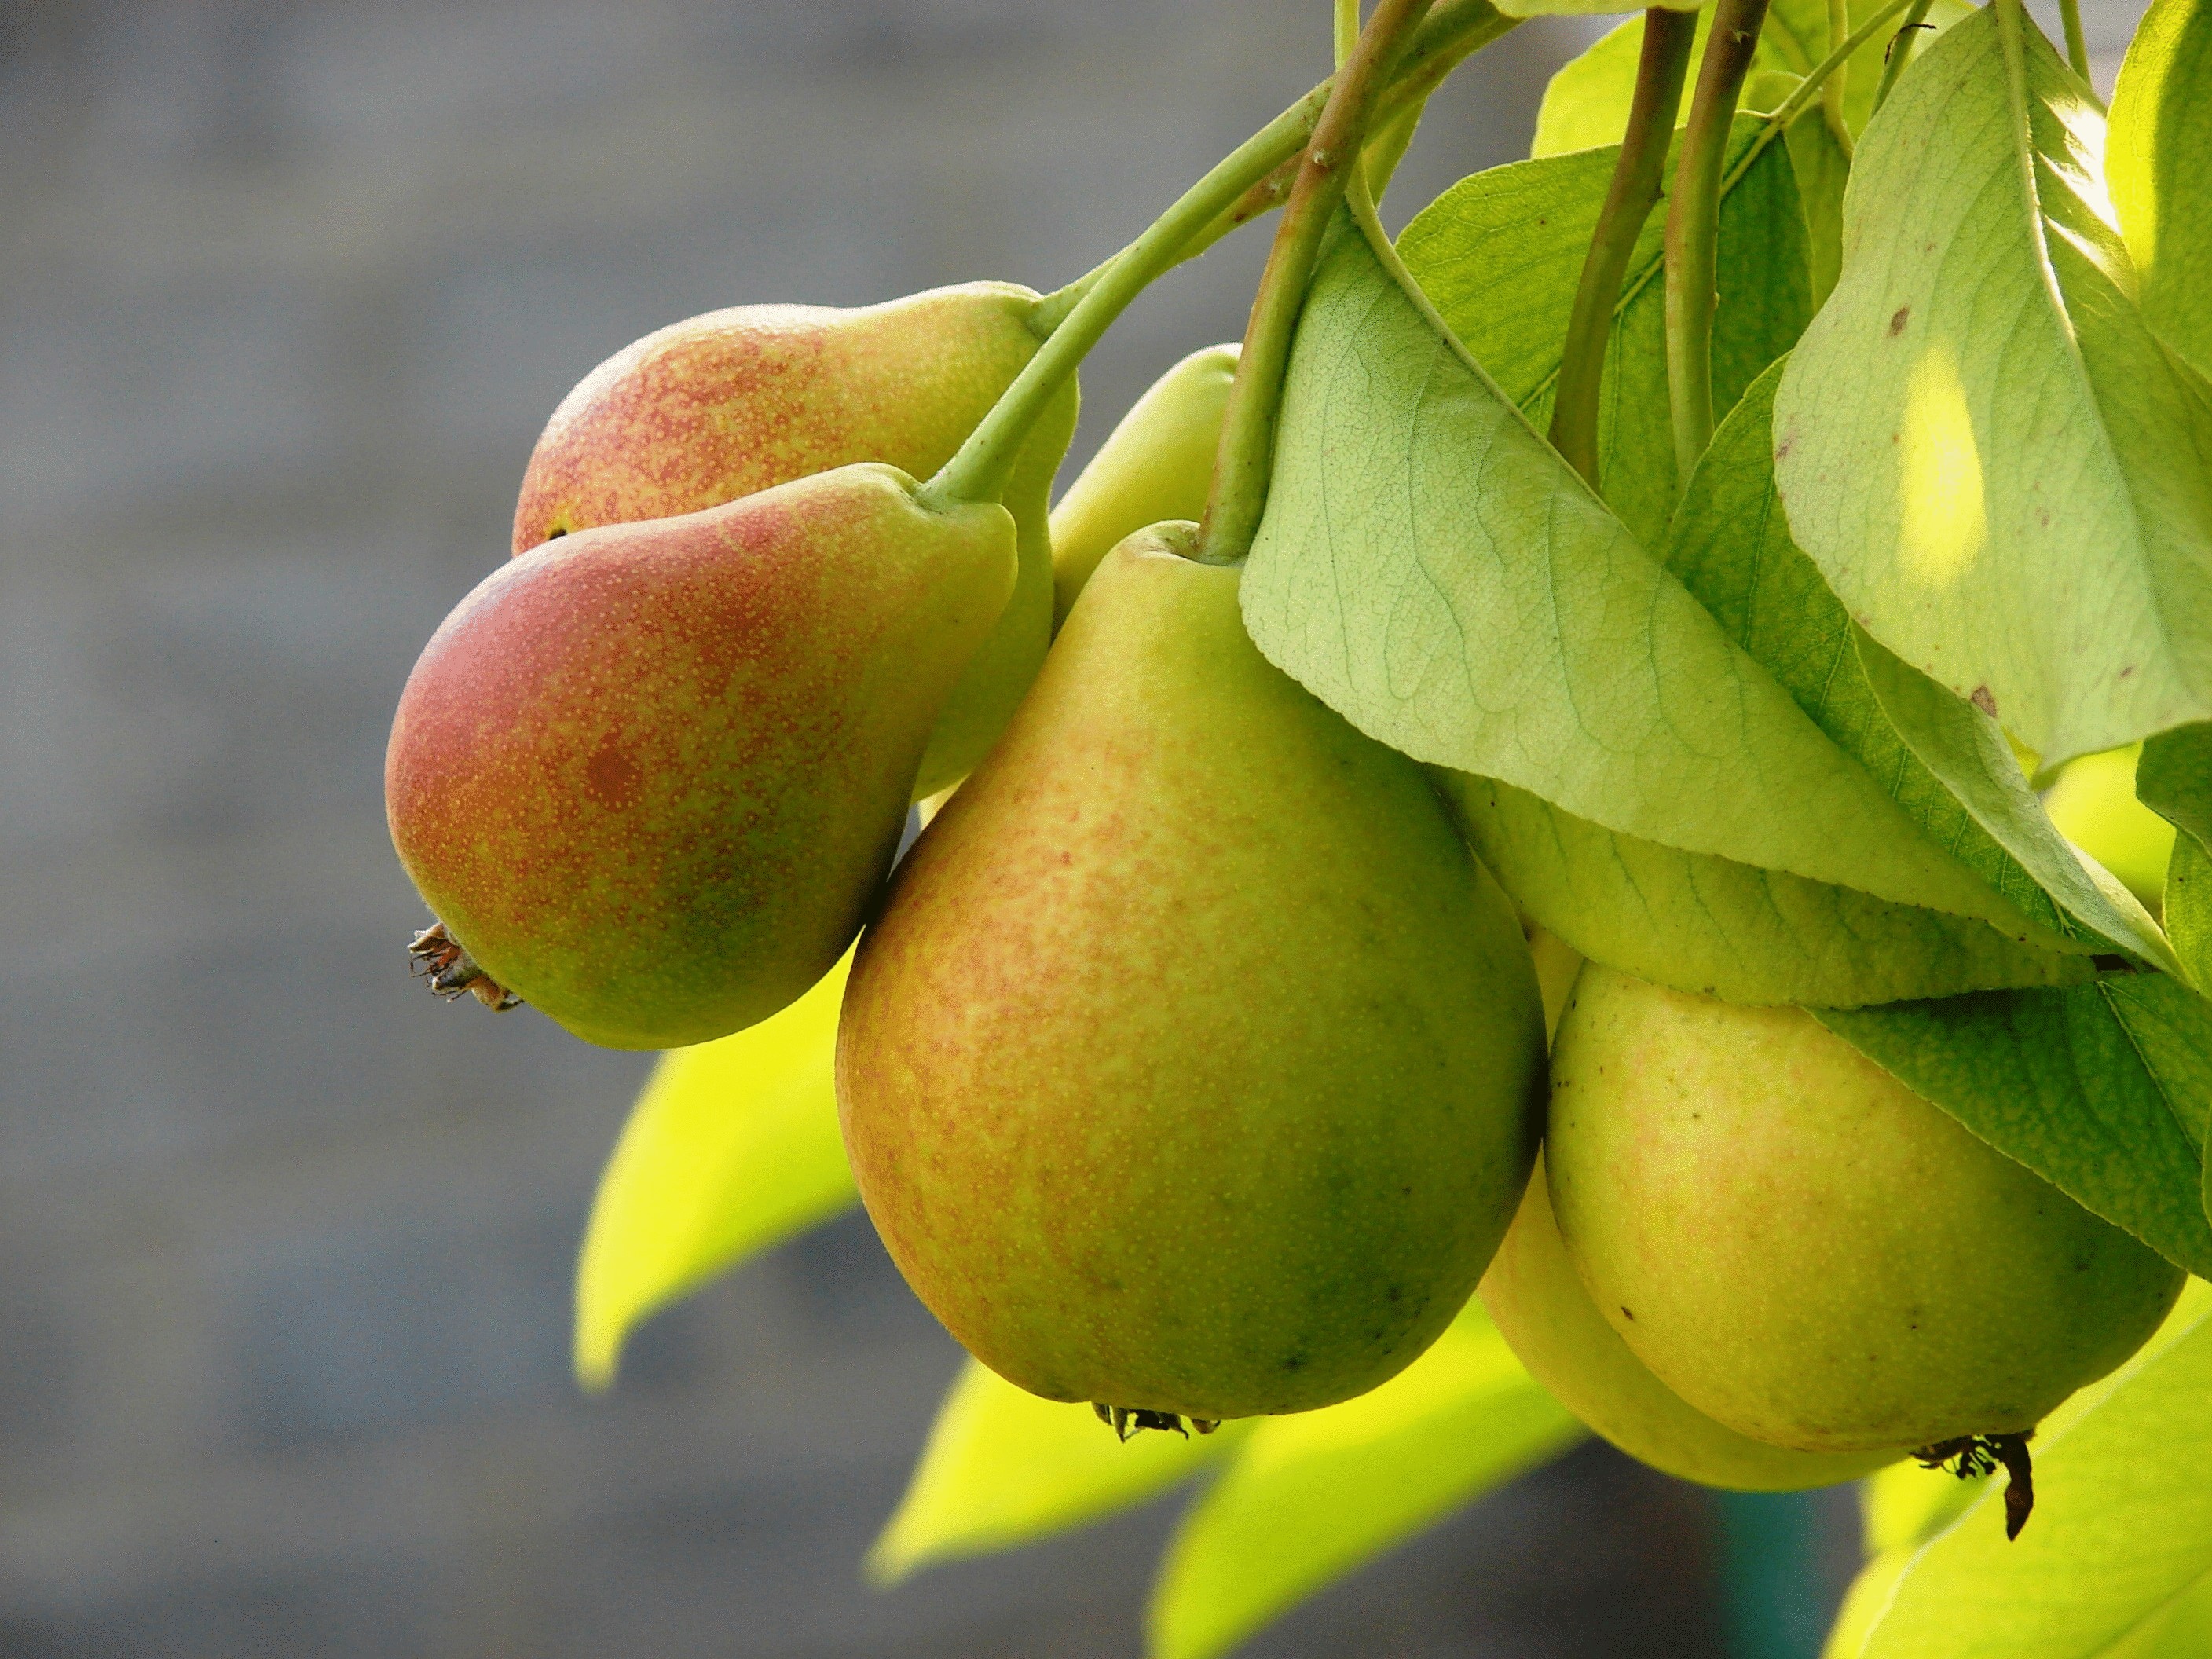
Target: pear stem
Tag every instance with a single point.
(1693, 226)
(1900, 50)
(2077, 44)
(1335, 151)
(1453, 32)
(1637, 178)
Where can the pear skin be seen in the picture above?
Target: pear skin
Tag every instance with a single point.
(1156, 465)
(741, 400)
(1194, 1064)
(1539, 1306)
(650, 778)
(1806, 1251)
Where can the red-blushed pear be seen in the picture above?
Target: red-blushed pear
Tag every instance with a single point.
(650, 778)
(1194, 1067)
(1155, 466)
(1538, 1303)
(1807, 1252)
(722, 405)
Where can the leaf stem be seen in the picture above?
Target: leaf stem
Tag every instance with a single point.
(1831, 89)
(1693, 226)
(1637, 178)
(2077, 44)
(1900, 50)
(1333, 154)
(1453, 32)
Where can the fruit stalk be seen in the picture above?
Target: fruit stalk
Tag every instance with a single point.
(1248, 433)
(1693, 226)
(1832, 90)
(2077, 44)
(1660, 72)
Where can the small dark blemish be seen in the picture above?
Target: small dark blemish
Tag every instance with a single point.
(1985, 700)
(1896, 321)
(1626, 1314)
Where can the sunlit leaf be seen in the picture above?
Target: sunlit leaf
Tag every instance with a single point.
(2101, 1090)
(733, 1148)
(2122, 1528)
(1580, 8)
(1904, 1505)
(1500, 254)
(1432, 569)
(1307, 1499)
(2174, 778)
(1003, 1467)
(1999, 469)
(2161, 183)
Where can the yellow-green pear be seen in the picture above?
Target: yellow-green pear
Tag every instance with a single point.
(1194, 1066)
(1539, 1304)
(720, 406)
(1156, 465)
(2094, 804)
(651, 779)
(1807, 1252)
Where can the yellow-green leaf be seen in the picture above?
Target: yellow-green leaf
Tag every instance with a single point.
(1307, 1499)
(733, 1148)
(2161, 179)
(1003, 1467)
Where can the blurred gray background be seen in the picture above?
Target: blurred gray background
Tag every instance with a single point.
(286, 291)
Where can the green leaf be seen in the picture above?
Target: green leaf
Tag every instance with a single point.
(1500, 254)
(2174, 778)
(1430, 567)
(2066, 1083)
(733, 1148)
(1579, 7)
(1307, 1498)
(2122, 1528)
(1706, 924)
(2156, 162)
(2182, 1630)
(1586, 102)
(1904, 1505)
(1980, 417)
(1003, 1467)
(1943, 761)
(1822, 169)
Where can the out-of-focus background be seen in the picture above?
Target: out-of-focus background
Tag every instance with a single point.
(287, 287)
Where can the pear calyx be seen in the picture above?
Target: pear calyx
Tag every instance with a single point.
(1125, 1420)
(437, 958)
(1970, 1457)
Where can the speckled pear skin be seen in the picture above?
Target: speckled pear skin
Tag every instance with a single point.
(652, 777)
(1538, 1303)
(1193, 1065)
(1806, 1251)
(735, 401)
(1156, 465)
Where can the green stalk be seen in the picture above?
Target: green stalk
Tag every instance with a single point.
(1693, 226)
(1832, 91)
(1900, 50)
(1335, 152)
(2077, 44)
(1636, 177)
(1452, 33)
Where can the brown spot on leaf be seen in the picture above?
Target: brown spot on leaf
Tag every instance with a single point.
(1985, 700)
(1897, 320)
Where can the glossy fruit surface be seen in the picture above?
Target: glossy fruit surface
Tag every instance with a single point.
(736, 401)
(1806, 1251)
(1156, 465)
(1193, 1065)
(1538, 1302)
(651, 777)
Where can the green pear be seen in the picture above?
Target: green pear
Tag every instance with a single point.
(1806, 1251)
(1194, 1066)
(1156, 465)
(737, 401)
(651, 779)
(2094, 804)
(1539, 1304)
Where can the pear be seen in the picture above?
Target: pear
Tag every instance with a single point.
(1194, 1067)
(651, 778)
(1806, 1251)
(1156, 465)
(1539, 1306)
(720, 406)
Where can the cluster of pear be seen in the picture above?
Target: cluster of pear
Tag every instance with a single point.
(1190, 1064)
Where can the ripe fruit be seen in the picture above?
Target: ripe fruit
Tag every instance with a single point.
(1194, 1066)
(651, 778)
(1806, 1251)
(1540, 1304)
(737, 401)
(1155, 466)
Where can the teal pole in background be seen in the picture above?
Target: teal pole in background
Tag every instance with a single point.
(1776, 1565)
